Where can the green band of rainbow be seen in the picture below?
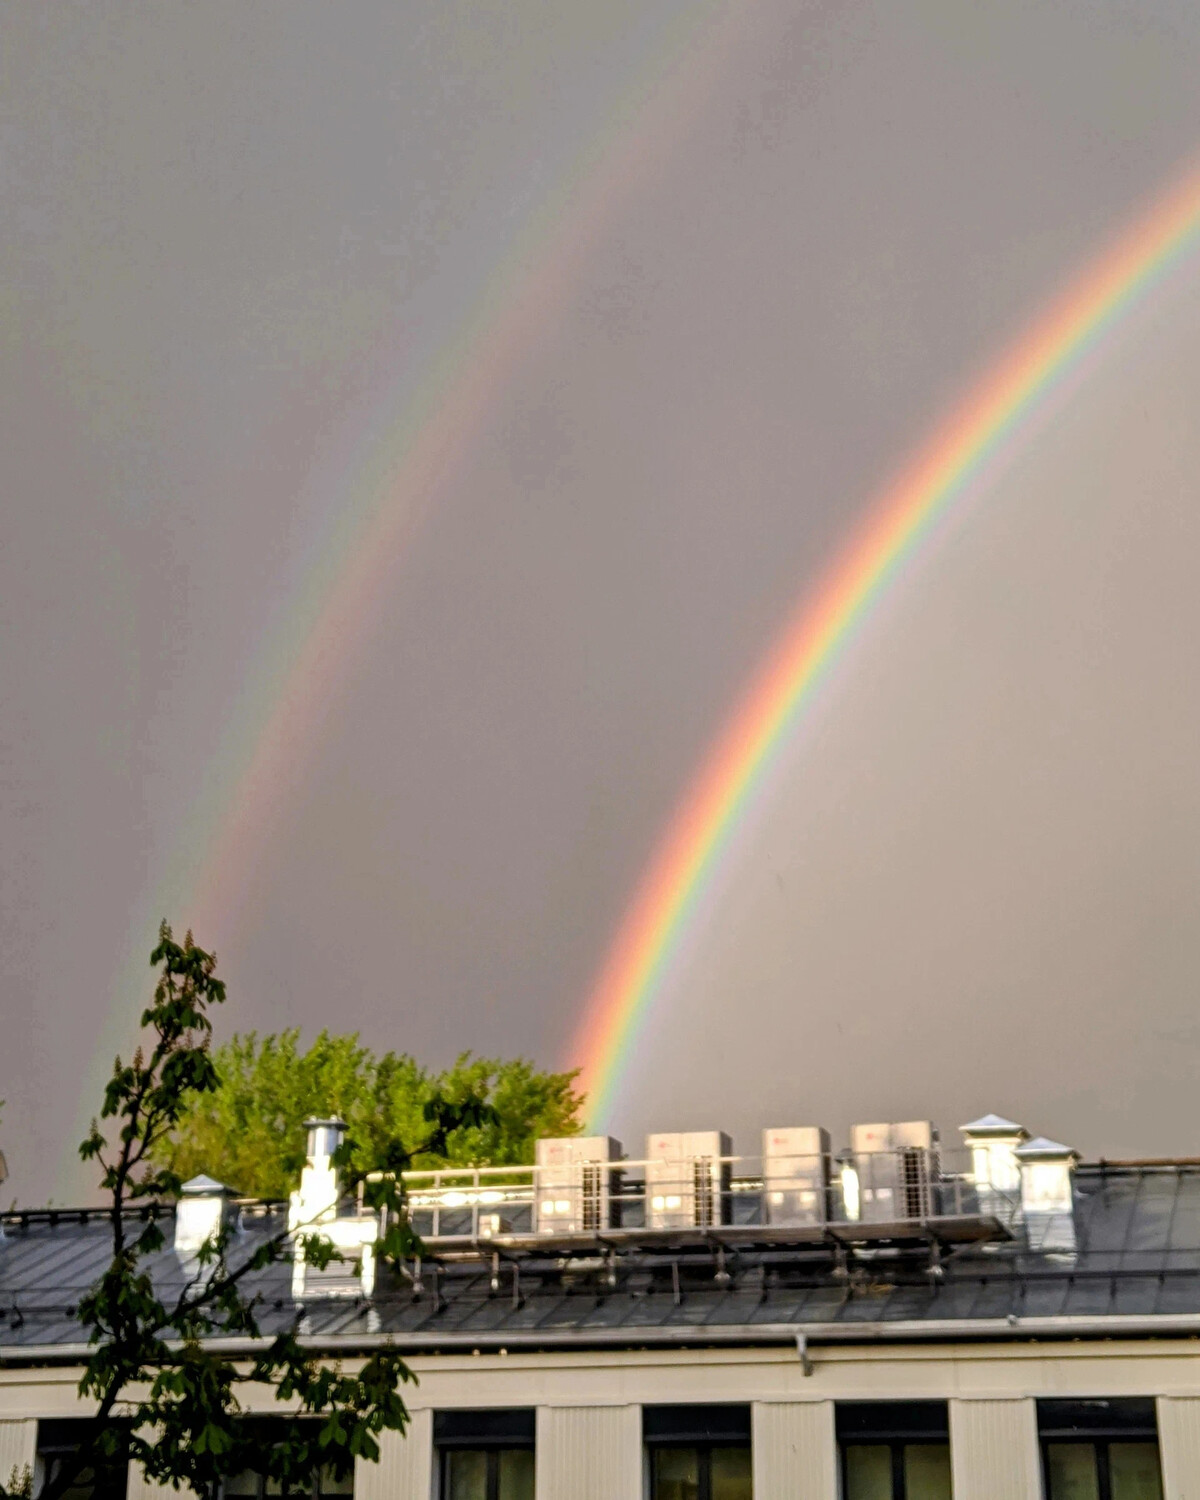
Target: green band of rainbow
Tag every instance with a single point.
(994, 414)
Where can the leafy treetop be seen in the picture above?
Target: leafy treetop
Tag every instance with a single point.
(248, 1130)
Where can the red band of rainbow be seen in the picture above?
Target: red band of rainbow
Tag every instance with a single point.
(995, 414)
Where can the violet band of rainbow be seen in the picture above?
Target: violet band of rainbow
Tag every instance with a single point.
(996, 413)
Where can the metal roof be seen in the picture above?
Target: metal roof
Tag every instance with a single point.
(1137, 1267)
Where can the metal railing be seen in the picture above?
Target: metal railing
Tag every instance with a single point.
(905, 1189)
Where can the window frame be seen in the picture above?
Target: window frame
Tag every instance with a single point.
(487, 1430)
(704, 1452)
(60, 1437)
(1101, 1446)
(1099, 1435)
(492, 1452)
(701, 1427)
(896, 1447)
(315, 1492)
(890, 1430)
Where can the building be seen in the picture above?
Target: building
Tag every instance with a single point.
(895, 1322)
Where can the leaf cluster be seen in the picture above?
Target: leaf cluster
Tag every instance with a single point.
(248, 1131)
(172, 1365)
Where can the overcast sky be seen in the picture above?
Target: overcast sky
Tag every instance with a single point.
(242, 245)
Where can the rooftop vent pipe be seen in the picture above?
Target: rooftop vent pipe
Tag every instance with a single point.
(1047, 1197)
(317, 1200)
(993, 1143)
(202, 1211)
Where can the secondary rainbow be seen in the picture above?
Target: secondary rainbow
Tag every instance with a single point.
(995, 414)
(378, 483)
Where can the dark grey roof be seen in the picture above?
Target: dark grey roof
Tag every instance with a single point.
(1137, 1262)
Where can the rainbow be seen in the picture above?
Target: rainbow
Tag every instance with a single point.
(426, 447)
(376, 489)
(960, 454)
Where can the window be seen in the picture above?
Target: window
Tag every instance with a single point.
(485, 1455)
(58, 1442)
(894, 1450)
(263, 1433)
(1100, 1450)
(251, 1486)
(698, 1452)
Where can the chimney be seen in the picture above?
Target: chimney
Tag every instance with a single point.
(317, 1200)
(202, 1211)
(993, 1143)
(1047, 1200)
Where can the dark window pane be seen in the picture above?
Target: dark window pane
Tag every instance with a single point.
(1124, 1419)
(1133, 1468)
(676, 1473)
(110, 1484)
(693, 1425)
(1072, 1471)
(927, 1471)
(868, 1471)
(328, 1485)
(495, 1427)
(731, 1474)
(892, 1421)
(466, 1474)
(516, 1474)
(245, 1483)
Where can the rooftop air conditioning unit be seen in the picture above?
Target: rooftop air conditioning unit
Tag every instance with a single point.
(891, 1171)
(687, 1179)
(795, 1175)
(576, 1185)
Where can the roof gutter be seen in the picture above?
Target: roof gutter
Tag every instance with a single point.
(697, 1336)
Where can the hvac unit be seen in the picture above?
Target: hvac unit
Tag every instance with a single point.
(891, 1172)
(795, 1163)
(687, 1180)
(576, 1187)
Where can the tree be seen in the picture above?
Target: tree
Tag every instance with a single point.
(163, 1396)
(248, 1131)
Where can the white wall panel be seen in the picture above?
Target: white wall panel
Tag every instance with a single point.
(589, 1453)
(405, 1467)
(1179, 1443)
(994, 1450)
(795, 1450)
(18, 1448)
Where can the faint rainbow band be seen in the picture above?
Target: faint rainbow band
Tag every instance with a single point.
(995, 414)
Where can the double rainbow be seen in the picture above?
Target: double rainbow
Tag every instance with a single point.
(994, 415)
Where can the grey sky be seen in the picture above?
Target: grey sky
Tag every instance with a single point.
(230, 230)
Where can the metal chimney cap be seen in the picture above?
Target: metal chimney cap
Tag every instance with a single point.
(205, 1187)
(1042, 1149)
(994, 1125)
(334, 1122)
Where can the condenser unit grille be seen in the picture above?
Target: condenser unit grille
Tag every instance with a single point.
(592, 1194)
(916, 1183)
(702, 1187)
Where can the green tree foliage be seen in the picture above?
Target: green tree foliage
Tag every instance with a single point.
(248, 1131)
(162, 1380)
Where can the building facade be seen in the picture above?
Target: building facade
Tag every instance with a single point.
(886, 1324)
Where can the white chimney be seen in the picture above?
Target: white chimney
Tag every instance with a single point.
(1047, 1199)
(200, 1214)
(993, 1143)
(317, 1200)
